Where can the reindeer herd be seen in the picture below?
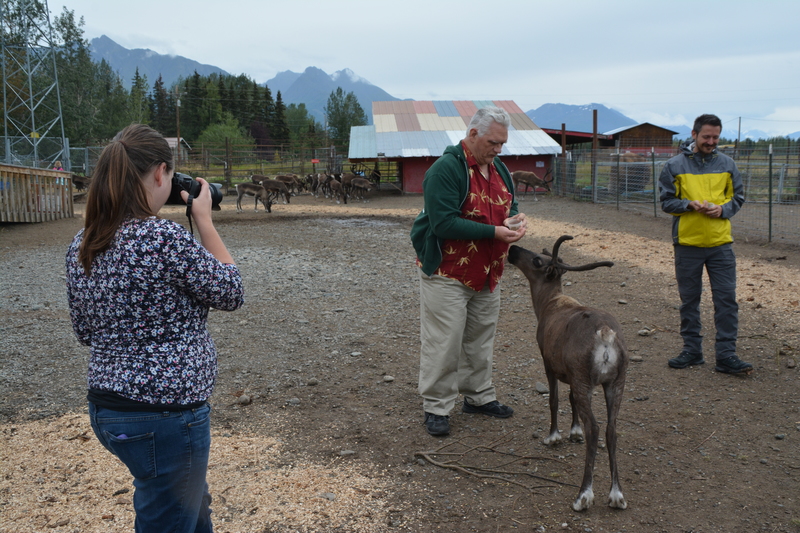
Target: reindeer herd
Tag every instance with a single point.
(339, 187)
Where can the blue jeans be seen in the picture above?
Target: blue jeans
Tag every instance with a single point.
(720, 263)
(167, 454)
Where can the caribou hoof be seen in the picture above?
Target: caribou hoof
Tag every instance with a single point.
(584, 501)
(553, 438)
(616, 500)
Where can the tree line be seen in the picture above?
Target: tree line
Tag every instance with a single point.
(95, 103)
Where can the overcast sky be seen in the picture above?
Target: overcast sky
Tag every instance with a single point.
(653, 60)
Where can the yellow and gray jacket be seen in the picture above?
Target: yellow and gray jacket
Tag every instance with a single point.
(693, 176)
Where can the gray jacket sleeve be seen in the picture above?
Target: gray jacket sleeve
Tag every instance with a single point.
(737, 200)
(670, 203)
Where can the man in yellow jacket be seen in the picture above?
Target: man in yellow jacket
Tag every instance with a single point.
(702, 189)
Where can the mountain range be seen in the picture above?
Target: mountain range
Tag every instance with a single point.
(580, 118)
(151, 64)
(313, 86)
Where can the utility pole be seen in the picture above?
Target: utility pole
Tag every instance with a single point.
(178, 117)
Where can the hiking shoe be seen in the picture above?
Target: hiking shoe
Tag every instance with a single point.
(686, 359)
(437, 424)
(733, 365)
(493, 408)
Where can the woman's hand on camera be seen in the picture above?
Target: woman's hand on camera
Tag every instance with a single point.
(201, 205)
(201, 213)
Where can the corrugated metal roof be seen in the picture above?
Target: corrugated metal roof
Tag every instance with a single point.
(384, 123)
(446, 108)
(466, 109)
(509, 105)
(530, 142)
(421, 107)
(362, 141)
(425, 128)
(366, 144)
(624, 128)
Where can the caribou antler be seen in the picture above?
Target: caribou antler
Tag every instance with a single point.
(544, 179)
(590, 266)
(558, 245)
(561, 265)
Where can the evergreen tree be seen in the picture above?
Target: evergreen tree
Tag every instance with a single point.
(239, 95)
(343, 112)
(304, 130)
(111, 99)
(268, 108)
(191, 100)
(77, 78)
(210, 109)
(280, 130)
(261, 129)
(253, 105)
(224, 96)
(138, 100)
(162, 110)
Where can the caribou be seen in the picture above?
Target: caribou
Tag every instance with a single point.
(582, 347)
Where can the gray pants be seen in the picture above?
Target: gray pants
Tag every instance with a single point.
(457, 327)
(720, 263)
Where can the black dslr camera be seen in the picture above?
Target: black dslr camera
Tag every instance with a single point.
(184, 182)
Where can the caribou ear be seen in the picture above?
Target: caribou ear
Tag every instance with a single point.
(552, 273)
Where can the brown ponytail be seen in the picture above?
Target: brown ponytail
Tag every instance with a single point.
(117, 191)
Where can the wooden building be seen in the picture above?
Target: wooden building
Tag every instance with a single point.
(413, 134)
(641, 138)
(34, 194)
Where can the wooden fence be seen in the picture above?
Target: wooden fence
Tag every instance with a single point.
(34, 194)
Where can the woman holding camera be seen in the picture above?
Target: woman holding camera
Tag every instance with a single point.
(139, 290)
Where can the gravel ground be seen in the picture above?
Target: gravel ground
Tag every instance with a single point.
(317, 424)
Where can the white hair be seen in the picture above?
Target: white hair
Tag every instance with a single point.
(485, 116)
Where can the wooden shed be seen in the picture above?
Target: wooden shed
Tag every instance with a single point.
(34, 194)
(641, 138)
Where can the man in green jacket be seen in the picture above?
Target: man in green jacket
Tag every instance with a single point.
(703, 189)
(461, 239)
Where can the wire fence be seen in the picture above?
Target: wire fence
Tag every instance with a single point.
(630, 181)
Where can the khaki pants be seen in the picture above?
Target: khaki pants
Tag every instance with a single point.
(457, 327)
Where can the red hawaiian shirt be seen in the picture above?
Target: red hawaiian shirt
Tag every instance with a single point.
(477, 262)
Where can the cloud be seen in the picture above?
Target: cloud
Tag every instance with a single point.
(786, 114)
(659, 119)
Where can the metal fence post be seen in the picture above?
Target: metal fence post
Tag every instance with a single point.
(769, 239)
(618, 178)
(655, 182)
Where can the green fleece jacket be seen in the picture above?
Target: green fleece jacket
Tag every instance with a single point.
(445, 190)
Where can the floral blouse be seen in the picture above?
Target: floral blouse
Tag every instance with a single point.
(143, 312)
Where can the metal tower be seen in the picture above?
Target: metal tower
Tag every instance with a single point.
(33, 128)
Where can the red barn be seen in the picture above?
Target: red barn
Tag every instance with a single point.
(413, 134)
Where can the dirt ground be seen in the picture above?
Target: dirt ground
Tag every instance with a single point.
(317, 425)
